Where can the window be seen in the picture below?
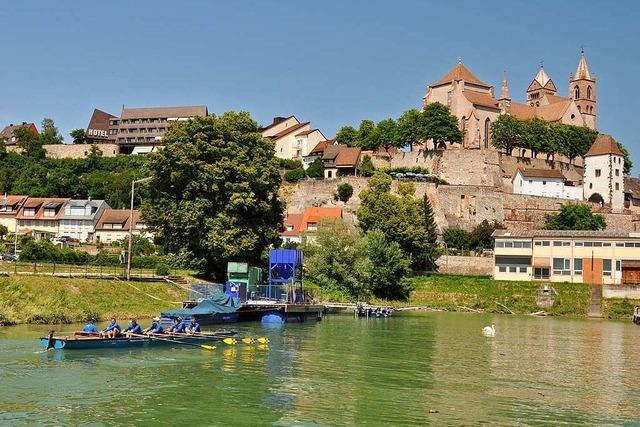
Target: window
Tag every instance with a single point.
(617, 185)
(544, 182)
(29, 211)
(562, 266)
(598, 173)
(628, 245)
(618, 265)
(557, 243)
(576, 93)
(513, 269)
(620, 244)
(606, 267)
(578, 244)
(546, 243)
(606, 243)
(502, 269)
(588, 92)
(538, 243)
(617, 172)
(577, 266)
(590, 185)
(541, 273)
(499, 244)
(597, 244)
(523, 269)
(588, 244)
(508, 244)
(312, 226)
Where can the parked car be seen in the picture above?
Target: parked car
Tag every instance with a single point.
(9, 257)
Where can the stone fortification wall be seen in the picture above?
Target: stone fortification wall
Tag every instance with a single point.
(510, 164)
(465, 206)
(73, 151)
(465, 265)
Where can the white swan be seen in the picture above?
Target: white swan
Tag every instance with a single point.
(489, 331)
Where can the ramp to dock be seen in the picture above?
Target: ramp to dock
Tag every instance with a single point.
(595, 300)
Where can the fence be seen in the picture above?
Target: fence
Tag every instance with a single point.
(71, 270)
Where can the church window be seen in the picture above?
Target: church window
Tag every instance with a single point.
(579, 109)
(590, 185)
(598, 173)
(537, 103)
(487, 126)
(617, 172)
(576, 91)
(617, 185)
(573, 116)
(449, 98)
(588, 92)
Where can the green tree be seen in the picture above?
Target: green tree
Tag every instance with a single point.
(344, 192)
(78, 136)
(628, 164)
(577, 141)
(441, 125)
(4, 231)
(50, 133)
(412, 127)
(368, 135)
(506, 133)
(214, 193)
(575, 216)
(388, 267)
(387, 134)
(316, 169)
(406, 188)
(30, 142)
(431, 234)
(348, 135)
(140, 246)
(456, 238)
(481, 234)
(366, 167)
(531, 134)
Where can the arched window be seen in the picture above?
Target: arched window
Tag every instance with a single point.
(588, 92)
(487, 128)
(579, 109)
(576, 93)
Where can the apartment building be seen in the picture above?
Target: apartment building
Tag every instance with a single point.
(40, 217)
(114, 225)
(80, 218)
(595, 257)
(102, 128)
(9, 207)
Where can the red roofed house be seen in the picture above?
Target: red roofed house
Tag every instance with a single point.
(317, 152)
(40, 217)
(604, 173)
(297, 224)
(8, 133)
(292, 139)
(340, 160)
(9, 207)
(114, 225)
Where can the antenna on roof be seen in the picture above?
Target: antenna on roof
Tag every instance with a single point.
(542, 63)
(459, 59)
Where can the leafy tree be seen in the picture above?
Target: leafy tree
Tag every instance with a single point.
(140, 246)
(347, 135)
(441, 125)
(344, 192)
(576, 140)
(411, 127)
(316, 169)
(506, 133)
(368, 135)
(387, 134)
(481, 234)
(575, 216)
(431, 235)
(389, 267)
(214, 193)
(294, 175)
(366, 167)
(4, 231)
(406, 189)
(78, 136)
(533, 134)
(30, 142)
(50, 133)
(456, 238)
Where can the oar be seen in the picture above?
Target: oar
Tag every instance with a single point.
(206, 347)
(226, 340)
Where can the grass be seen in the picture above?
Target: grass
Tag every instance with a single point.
(42, 299)
(453, 293)
(619, 308)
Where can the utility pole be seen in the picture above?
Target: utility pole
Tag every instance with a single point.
(133, 189)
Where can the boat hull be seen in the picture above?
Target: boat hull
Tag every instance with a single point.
(85, 343)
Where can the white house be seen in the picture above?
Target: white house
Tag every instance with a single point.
(604, 173)
(292, 139)
(114, 225)
(80, 218)
(544, 182)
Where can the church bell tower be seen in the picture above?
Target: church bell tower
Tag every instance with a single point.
(582, 89)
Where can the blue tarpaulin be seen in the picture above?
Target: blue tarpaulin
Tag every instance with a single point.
(218, 303)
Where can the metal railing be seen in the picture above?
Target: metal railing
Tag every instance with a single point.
(48, 268)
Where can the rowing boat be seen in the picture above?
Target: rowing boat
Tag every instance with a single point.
(80, 342)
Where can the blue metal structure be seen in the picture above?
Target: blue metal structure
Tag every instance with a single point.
(285, 268)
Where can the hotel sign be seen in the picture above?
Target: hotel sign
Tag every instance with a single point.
(97, 132)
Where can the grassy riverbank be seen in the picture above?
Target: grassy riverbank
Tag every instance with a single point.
(619, 308)
(41, 299)
(460, 293)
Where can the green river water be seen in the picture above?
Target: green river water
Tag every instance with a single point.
(421, 369)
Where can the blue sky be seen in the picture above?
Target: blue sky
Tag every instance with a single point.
(330, 62)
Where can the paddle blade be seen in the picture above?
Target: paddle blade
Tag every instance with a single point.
(248, 340)
(263, 340)
(208, 347)
(229, 341)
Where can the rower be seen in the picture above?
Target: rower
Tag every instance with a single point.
(132, 328)
(90, 327)
(155, 327)
(192, 326)
(178, 326)
(112, 330)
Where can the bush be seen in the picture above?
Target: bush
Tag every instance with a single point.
(294, 175)
(316, 169)
(290, 164)
(405, 169)
(366, 167)
(345, 191)
(162, 270)
(456, 238)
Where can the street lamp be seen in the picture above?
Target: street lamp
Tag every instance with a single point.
(133, 189)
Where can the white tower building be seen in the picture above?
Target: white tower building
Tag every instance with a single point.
(604, 173)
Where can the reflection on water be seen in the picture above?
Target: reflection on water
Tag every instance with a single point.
(433, 368)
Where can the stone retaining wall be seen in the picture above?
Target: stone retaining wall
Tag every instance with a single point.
(465, 265)
(621, 291)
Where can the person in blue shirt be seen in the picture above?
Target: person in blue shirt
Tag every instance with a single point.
(112, 330)
(178, 326)
(193, 326)
(132, 328)
(90, 327)
(155, 327)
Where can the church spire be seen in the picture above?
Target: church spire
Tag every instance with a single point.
(504, 87)
(582, 72)
(542, 76)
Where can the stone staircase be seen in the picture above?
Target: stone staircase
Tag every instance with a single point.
(595, 300)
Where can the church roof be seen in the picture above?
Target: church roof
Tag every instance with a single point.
(553, 112)
(604, 144)
(460, 72)
(582, 72)
(481, 99)
(555, 98)
(542, 77)
(521, 111)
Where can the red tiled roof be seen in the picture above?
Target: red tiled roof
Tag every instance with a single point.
(15, 201)
(460, 72)
(348, 156)
(299, 222)
(289, 130)
(117, 216)
(321, 146)
(481, 99)
(306, 132)
(39, 204)
(604, 144)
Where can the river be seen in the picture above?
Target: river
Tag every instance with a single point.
(420, 368)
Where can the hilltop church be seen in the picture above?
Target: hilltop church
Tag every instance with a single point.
(475, 105)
